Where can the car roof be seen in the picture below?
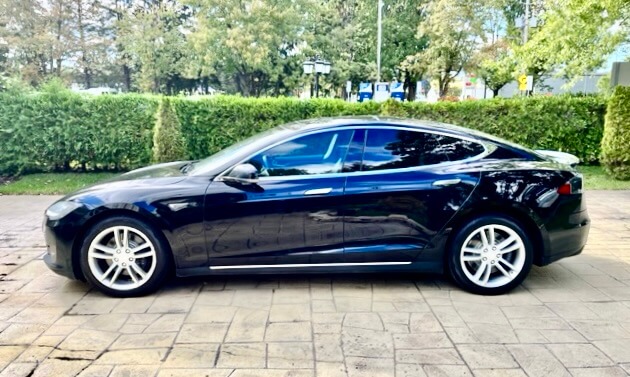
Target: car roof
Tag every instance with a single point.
(368, 120)
(376, 120)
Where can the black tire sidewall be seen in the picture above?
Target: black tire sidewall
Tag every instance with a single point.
(163, 261)
(454, 265)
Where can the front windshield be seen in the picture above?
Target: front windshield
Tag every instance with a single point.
(223, 156)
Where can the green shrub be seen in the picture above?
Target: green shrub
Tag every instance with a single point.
(566, 123)
(63, 131)
(58, 130)
(616, 139)
(214, 123)
(168, 143)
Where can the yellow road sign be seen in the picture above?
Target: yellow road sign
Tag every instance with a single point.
(522, 82)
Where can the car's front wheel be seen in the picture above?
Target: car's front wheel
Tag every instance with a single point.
(490, 255)
(124, 257)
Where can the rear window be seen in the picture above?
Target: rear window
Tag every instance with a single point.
(459, 149)
(396, 149)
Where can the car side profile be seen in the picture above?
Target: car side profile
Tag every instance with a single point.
(341, 195)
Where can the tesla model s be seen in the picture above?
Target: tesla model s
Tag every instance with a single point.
(336, 195)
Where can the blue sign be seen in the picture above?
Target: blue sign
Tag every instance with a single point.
(365, 91)
(397, 91)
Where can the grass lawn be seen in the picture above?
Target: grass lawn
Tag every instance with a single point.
(595, 178)
(51, 183)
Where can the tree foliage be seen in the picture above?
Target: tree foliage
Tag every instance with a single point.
(495, 64)
(168, 142)
(452, 28)
(576, 36)
(615, 152)
(256, 47)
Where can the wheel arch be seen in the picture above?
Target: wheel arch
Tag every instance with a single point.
(105, 213)
(528, 221)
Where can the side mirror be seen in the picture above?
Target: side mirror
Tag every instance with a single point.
(243, 173)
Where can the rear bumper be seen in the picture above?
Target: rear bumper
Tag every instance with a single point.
(567, 240)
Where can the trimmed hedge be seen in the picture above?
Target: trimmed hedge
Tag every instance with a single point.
(212, 124)
(616, 139)
(65, 131)
(565, 123)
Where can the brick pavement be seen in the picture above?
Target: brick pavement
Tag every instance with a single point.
(568, 319)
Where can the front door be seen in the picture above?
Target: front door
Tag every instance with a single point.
(291, 215)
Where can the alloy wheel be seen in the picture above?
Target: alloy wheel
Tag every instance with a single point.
(122, 258)
(492, 256)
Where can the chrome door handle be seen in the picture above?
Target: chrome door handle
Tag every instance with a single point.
(447, 182)
(319, 191)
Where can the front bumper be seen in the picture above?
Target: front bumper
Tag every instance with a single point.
(59, 240)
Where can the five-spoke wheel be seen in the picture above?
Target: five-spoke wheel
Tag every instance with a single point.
(124, 257)
(490, 255)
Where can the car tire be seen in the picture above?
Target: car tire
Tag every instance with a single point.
(124, 257)
(490, 255)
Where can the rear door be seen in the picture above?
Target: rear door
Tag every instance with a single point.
(403, 189)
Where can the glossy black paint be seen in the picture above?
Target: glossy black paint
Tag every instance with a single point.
(375, 216)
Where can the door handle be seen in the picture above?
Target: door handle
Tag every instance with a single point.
(447, 182)
(319, 191)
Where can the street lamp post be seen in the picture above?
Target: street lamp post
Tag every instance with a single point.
(317, 67)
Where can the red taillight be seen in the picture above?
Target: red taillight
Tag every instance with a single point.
(565, 189)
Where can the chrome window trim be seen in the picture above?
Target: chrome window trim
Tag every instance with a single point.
(487, 146)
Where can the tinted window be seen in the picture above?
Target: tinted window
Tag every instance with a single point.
(319, 153)
(396, 149)
(458, 149)
(355, 152)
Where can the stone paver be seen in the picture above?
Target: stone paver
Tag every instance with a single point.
(568, 319)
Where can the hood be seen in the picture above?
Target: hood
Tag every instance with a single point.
(561, 157)
(168, 169)
(168, 173)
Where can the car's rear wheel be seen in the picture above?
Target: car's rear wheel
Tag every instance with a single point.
(124, 257)
(490, 255)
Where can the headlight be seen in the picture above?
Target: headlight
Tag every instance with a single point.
(61, 209)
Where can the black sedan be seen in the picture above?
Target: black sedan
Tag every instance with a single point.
(328, 195)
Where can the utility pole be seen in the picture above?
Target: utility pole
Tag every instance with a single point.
(526, 23)
(378, 39)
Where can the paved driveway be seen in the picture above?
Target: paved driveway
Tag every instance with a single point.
(571, 318)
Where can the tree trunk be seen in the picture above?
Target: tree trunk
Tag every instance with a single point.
(58, 52)
(495, 92)
(443, 84)
(127, 76)
(86, 70)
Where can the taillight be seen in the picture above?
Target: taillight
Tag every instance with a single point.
(573, 186)
(565, 189)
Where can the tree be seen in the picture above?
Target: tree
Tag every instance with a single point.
(152, 38)
(452, 28)
(345, 33)
(615, 154)
(168, 141)
(495, 64)
(23, 27)
(576, 36)
(254, 44)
